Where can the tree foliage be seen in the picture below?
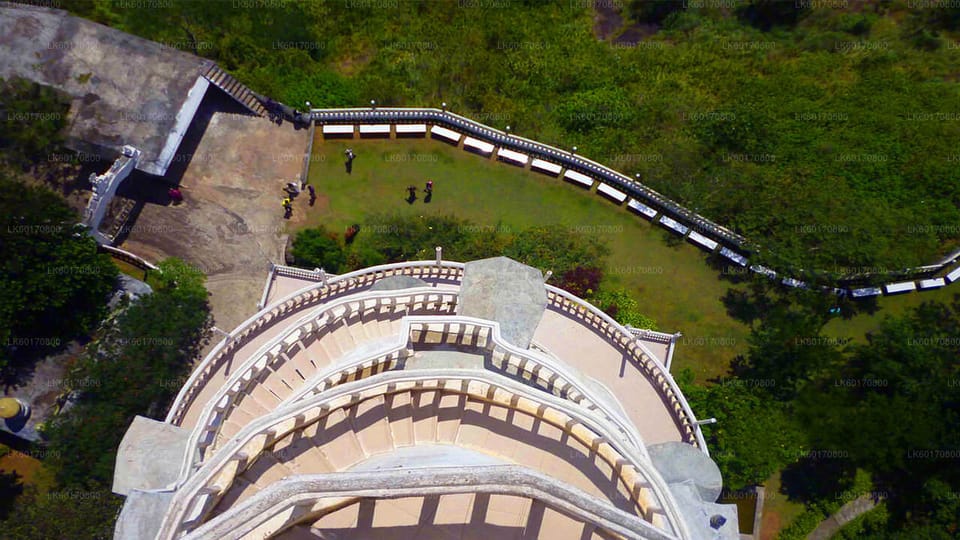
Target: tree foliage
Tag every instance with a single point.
(892, 405)
(825, 135)
(53, 283)
(754, 436)
(136, 367)
(63, 515)
(624, 309)
(32, 118)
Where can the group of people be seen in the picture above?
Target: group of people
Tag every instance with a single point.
(293, 189)
(412, 191)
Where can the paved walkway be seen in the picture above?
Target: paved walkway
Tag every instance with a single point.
(847, 513)
(231, 224)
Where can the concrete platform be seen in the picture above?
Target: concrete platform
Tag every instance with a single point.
(503, 290)
(113, 104)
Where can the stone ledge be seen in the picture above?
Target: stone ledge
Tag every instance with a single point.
(149, 456)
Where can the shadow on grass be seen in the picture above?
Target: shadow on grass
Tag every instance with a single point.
(811, 479)
(10, 488)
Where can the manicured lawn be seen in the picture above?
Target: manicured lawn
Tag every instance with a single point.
(673, 282)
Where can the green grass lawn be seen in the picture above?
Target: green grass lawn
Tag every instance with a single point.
(857, 327)
(672, 282)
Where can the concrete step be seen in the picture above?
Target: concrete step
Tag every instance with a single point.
(265, 471)
(250, 407)
(400, 415)
(344, 339)
(337, 440)
(555, 524)
(240, 490)
(230, 428)
(298, 532)
(263, 397)
(276, 384)
(243, 415)
(317, 354)
(300, 453)
(425, 416)
(370, 422)
(449, 411)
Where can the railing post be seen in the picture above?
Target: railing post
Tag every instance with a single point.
(547, 276)
(323, 276)
(670, 349)
(439, 251)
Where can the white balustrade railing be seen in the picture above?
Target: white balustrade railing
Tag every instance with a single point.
(570, 160)
(306, 498)
(193, 501)
(641, 355)
(450, 270)
(216, 409)
(309, 295)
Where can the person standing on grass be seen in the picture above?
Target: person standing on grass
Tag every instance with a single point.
(313, 194)
(287, 208)
(412, 193)
(429, 190)
(350, 155)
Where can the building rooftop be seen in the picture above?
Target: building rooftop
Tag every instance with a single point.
(379, 403)
(124, 89)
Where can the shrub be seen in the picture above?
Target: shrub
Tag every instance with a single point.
(618, 304)
(582, 281)
(317, 248)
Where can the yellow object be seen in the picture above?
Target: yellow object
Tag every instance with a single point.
(9, 407)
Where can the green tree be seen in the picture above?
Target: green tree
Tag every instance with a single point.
(654, 11)
(32, 118)
(557, 248)
(754, 435)
(136, 367)
(63, 515)
(891, 405)
(412, 238)
(53, 283)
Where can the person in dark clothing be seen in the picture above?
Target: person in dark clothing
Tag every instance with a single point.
(429, 191)
(412, 193)
(313, 194)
